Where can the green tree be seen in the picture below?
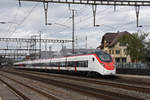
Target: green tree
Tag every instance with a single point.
(136, 45)
(148, 44)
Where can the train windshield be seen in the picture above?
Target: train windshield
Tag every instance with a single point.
(104, 57)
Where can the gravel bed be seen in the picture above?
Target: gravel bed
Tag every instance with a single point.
(142, 95)
(6, 93)
(65, 94)
(28, 92)
(123, 80)
(126, 83)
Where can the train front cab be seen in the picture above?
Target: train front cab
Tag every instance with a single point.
(105, 64)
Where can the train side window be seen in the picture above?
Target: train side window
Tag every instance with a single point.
(93, 59)
(62, 64)
(78, 64)
(86, 63)
(69, 64)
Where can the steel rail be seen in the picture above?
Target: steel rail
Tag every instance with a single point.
(16, 91)
(80, 88)
(50, 96)
(113, 84)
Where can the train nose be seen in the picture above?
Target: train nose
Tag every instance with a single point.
(109, 66)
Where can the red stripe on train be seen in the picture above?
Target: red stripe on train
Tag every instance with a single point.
(107, 65)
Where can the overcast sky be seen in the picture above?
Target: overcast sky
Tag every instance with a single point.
(29, 19)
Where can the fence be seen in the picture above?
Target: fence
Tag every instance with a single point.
(133, 68)
(145, 65)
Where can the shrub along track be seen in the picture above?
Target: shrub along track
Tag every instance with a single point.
(97, 92)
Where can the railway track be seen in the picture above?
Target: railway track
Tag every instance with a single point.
(19, 94)
(81, 88)
(22, 95)
(100, 82)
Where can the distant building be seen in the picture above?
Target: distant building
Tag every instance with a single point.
(49, 54)
(110, 44)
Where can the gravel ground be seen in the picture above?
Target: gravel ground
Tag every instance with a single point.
(65, 94)
(28, 92)
(6, 93)
(142, 95)
(133, 81)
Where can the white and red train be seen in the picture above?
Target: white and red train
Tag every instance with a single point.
(99, 62)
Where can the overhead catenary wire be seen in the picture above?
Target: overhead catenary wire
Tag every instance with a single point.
(101, 11)
(15, 17)
(79, 22)
(67, 19)
(83, 20)
(101, 17)
(25, 18)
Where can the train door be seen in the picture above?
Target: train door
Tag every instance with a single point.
(75, 66)
(91, 66)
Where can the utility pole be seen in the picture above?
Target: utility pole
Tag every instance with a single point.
(35, 48)
(40, 45)
(137, 10)
(76, 42)
(86, 42)
(46, 11)
(19, 3)
(73, 31)
(94, 8)
(45, 46)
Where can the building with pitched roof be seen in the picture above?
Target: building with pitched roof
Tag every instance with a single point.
(110, 44)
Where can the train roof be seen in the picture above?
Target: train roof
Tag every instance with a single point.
(71, 55)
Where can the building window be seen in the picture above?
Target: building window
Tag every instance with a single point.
(121, 60)
(117, 60)
(124, 60)
(109, 51)
(112, 51)
(117, 51)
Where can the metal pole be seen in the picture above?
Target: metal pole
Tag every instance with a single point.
(19, 3)
(137, 10)
(76, 42)
(86, 42)
(46, 46)
(46, 11)
(40, 45)
(35, 48)
(94, 14)
(73, 31)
